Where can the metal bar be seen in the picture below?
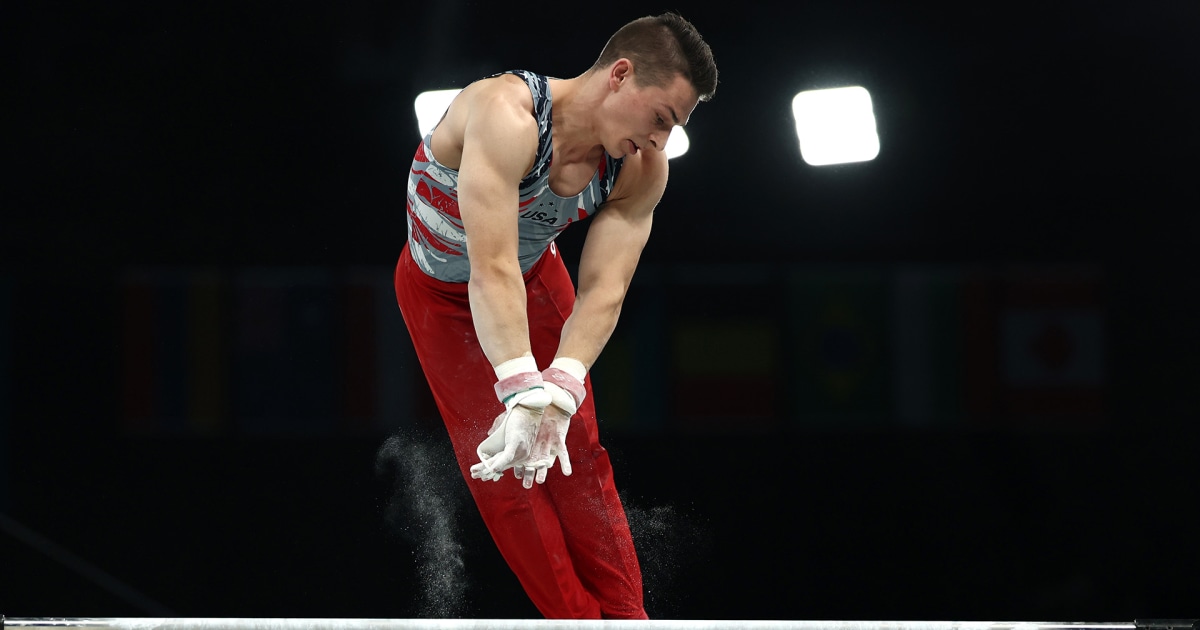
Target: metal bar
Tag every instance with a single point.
(202, 623)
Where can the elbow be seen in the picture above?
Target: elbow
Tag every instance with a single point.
(486, 268)
(606, 303)
(493, 273)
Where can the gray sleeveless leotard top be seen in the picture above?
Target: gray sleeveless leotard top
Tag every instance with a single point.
(436, 238)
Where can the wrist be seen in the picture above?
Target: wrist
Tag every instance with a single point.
(561, 398)
(520, 383)
(574, 367)
(564, 381)
(516, 366)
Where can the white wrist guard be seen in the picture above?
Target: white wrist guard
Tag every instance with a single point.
(566, 390)
(520, 384)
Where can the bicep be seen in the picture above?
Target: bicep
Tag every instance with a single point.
(619, 233)
(498, 144)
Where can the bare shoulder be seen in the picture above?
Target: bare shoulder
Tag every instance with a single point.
(506, 90)
(496, 109)
(505, 96)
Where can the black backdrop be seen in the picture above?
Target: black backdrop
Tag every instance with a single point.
(1023, 135)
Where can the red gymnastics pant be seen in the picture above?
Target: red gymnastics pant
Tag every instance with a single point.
(567, 540)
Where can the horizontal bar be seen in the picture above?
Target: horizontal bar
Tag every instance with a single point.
(202, 623)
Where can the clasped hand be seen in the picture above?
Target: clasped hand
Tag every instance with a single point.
(532, 432)
(527, 440)
(510, 441)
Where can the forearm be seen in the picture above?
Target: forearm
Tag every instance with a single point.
(497, 300)
(590, 325)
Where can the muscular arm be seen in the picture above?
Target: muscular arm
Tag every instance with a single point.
(610, 256)
(499, 141)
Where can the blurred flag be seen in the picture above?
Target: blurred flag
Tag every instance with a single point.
(174, 361)
(726, 373)
(1034, 348)
(724, 353)
(1052, 349)
(839, 348)
(928, 329)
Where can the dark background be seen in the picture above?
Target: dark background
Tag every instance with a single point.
(1048, 145)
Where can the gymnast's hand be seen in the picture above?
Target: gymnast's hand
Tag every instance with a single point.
(566, 394)
(511, 438)
(550, 444)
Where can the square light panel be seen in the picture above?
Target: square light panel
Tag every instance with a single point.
(835, 126)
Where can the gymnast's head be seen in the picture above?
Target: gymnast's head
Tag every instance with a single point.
(659, 48)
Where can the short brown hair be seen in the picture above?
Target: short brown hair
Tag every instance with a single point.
(662, 46)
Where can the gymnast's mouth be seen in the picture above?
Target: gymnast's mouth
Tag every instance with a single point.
(635, 146)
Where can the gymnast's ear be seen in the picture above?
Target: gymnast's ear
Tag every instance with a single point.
(619, 72)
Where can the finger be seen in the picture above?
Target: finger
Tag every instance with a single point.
(499, 462)
(527, 479)
(518, 472)
(561, 452)
(484, 472)
(565, 462)
(541, 475)
(491, 445)
(514, 454)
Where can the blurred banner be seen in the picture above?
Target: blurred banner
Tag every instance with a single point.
(698, 348)
(262, 351)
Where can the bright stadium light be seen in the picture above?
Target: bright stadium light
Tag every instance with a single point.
(677, 142)
(835, 126)
(431, 105)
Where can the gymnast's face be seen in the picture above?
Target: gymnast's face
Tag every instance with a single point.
(642, 116)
